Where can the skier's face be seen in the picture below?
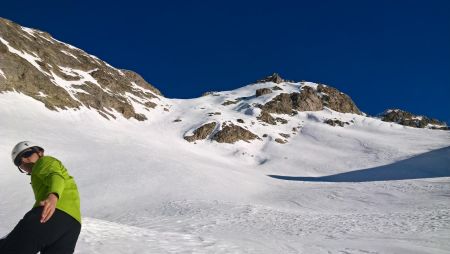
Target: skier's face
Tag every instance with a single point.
(28, 161)
(30, 158)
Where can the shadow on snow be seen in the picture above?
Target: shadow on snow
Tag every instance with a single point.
(427, 165)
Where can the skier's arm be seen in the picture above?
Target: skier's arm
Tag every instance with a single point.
(55, 184)
(53, 178)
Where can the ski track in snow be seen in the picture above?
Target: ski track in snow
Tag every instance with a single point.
(251, 228)
(193, 227)
(100, 236)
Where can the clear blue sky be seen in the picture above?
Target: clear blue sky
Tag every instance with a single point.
(384, 54)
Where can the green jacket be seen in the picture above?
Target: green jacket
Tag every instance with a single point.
(50, 176)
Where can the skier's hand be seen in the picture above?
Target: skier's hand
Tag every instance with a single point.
(49, 207)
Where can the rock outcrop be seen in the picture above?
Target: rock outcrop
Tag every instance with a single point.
(263, 91)
(308, 99)
(275, 78)
(267, 118)
(231, 133)
(336, 122)
(408, 119)
(202, 132)
(336, 100)
(64, 77)
(281, 141)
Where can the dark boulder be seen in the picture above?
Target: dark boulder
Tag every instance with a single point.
(231, 133)
(202, 132)
(263, 91)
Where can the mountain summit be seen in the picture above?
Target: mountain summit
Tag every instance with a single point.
(275, 78)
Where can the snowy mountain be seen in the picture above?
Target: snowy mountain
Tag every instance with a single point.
(276, 166)
(65, 77)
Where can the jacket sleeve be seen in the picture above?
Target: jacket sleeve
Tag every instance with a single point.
(53, 177)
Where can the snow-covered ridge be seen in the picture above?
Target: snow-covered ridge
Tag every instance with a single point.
(74, 79)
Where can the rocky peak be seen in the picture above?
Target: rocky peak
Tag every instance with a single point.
(61, 76)
(263, 112)
(275, 78)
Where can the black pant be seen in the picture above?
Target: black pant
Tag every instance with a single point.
(58, 235)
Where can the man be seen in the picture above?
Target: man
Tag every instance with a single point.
(53, 225)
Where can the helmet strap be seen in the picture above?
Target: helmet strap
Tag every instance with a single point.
(21, 171)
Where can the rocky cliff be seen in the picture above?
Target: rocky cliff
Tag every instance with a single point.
(61, 76)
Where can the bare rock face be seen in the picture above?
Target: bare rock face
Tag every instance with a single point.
(409, 119)
(202, 132)
(64, 77)
(337, 101)
(267, 118)
(262, 91)
(285, 103)
(231, 133)
(310, 99)
(136, 78)
(281, 104)
(307, 100)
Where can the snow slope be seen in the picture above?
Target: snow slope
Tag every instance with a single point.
(371, 187)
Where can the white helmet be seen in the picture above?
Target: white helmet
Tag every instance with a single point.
(19, 148)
